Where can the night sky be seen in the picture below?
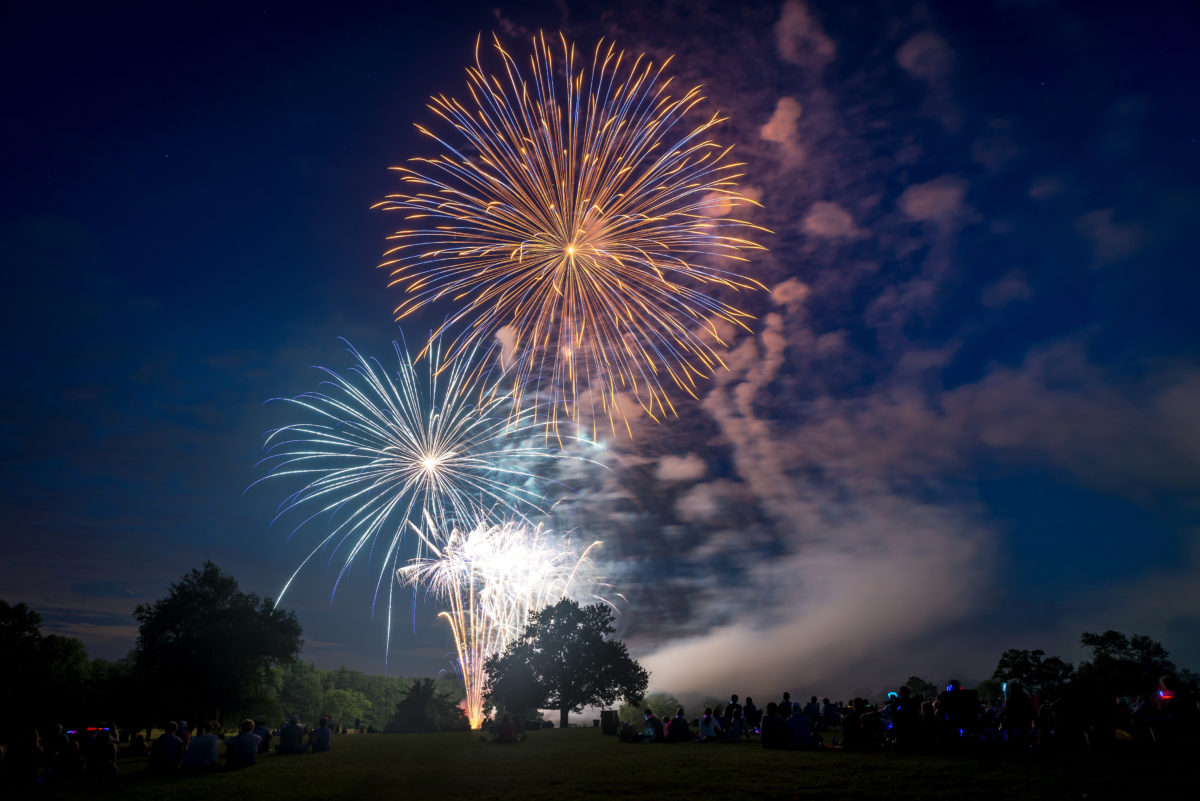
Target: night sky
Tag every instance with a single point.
(967, 419)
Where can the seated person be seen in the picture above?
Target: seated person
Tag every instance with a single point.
(710, 727)
(102, 755)
(166, 751)
(774, 729)
(506, 731)
(653, 733)
(263, 733)
(138, 747)
(321, 737)
(242, 750)
(204, 750)
(679, 731)
(800, 734)
(291, 737)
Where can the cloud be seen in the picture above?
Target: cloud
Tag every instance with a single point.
(506, 337)
(792, 292)
(1111, 241)
(830, 220)
(800, 38)
(721, 204)
(783, 128)
(926, 56)
(1044, 187)
(1011, 288)
(938, 201)
(888, 571)
(681, 468)
(996, 147)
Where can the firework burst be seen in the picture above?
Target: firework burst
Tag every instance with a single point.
(579, 219)
(493, 578)
(381, 452)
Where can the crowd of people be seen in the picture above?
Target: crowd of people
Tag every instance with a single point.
(953, 717)
(62, 755)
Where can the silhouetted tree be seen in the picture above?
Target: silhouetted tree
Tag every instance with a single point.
(207, 648)
(42, 678)
(920, 686)
(426, 707)
(1036, 672)
(1122, 665)
(566, 650)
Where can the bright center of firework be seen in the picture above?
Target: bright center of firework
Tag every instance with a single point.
(432, 461)
(571, 250)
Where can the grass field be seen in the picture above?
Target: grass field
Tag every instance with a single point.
(582, 763)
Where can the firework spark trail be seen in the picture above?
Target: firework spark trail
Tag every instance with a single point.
(381, 453)
(493, 577)
(582, 217)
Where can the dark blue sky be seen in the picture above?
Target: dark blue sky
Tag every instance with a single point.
(966, 420)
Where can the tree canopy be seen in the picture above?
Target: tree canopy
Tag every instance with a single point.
(207, 649)
(1123, 665)
(1039, 674)
(565, 660)
(41, 676)
(428, 707)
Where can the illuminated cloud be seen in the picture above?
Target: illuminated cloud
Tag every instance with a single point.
(939, 201)
(783, 129)
(681, 468)
(1111, 241)
(926, 56)
(1011, 288)
(830, 220)
(800, 38)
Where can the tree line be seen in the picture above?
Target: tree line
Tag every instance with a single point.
(205, 651)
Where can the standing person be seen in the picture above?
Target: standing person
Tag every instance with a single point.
(752, 715)
(733, 708)
(812, 710)
(831, 716)
(241, 751)
(785, 706)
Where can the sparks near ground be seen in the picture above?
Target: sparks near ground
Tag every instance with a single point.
(493, 577)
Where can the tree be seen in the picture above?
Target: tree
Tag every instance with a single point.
(300, 690)
(427, 708)
(919, 686)
(208, 648)
(1122, 665)
(566, 651)
(42, 678)
(662, 704)
(1036, 672)
(345, 705)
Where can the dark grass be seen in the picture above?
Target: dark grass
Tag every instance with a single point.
(582, 763)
